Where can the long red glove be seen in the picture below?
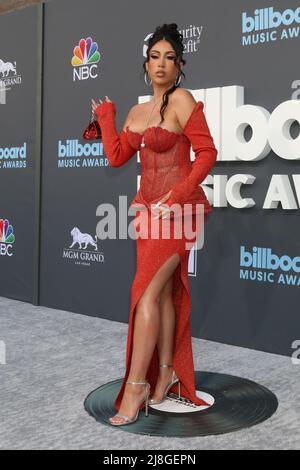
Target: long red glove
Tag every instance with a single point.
(116, 147)
(197, 131)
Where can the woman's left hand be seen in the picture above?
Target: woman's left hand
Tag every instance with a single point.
(95, 104)
(163, 209)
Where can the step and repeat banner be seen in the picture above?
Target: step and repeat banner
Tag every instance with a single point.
(241, 61)
(18, 95)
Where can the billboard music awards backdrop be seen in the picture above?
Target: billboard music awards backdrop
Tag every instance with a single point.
(242, 61)
(18, 88)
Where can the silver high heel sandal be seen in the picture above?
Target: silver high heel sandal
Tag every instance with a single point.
(173, 381)
(146, 400)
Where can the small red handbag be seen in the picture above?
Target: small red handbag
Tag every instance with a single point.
(93, 130)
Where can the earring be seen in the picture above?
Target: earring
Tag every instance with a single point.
(177, 83)
(145, 78)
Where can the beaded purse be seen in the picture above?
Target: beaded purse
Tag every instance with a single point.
(93, 130)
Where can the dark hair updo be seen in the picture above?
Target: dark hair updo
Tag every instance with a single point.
(170, 33)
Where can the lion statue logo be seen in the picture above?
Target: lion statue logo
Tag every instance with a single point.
(83, 239)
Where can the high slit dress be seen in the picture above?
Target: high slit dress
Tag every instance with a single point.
(165, 166)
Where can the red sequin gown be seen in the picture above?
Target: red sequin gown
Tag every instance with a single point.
(165, 165)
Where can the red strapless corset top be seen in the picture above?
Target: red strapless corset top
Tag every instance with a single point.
(165, 162)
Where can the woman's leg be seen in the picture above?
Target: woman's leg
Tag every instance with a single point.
(145, 337)
(166, 336)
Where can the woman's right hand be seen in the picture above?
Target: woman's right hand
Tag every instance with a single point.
(95, 104)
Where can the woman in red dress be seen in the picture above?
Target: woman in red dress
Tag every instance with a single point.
(159, 354)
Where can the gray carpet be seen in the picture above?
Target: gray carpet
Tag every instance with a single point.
(54, 358)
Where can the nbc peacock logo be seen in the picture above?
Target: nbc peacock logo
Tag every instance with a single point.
(7, 237)
(85, 59)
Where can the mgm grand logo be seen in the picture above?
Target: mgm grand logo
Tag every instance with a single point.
(8, 75)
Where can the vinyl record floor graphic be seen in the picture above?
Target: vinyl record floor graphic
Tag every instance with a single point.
(234, 403)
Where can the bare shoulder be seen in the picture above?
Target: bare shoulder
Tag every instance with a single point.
(184, 104)
(131, 115)
(183, 96)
